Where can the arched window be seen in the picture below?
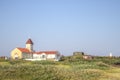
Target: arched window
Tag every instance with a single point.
(16, 56)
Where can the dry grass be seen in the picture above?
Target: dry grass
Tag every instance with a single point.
(111, 74)
(64, 70)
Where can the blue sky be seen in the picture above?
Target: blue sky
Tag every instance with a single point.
(91, 26)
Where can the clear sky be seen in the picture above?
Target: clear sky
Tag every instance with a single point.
(91, 26)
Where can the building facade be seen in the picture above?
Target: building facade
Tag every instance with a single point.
(29, 54)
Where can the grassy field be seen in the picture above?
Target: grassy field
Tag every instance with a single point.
(69, 68)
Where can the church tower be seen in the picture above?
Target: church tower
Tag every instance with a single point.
(29, 45)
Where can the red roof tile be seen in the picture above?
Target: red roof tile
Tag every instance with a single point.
(47, 52)
(29, 41)
(24, 50)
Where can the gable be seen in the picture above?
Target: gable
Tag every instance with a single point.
(15, 52)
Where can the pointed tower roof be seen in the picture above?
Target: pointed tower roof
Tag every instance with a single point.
(29, 41)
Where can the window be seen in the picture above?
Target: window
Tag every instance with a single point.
(43, 56)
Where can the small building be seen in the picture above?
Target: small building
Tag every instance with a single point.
(78, 53)
(29, 54)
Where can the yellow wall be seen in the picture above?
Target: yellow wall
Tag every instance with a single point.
(14, 52)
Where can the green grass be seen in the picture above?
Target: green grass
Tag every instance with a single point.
(69, 69)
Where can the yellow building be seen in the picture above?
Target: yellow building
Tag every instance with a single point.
(23, 53)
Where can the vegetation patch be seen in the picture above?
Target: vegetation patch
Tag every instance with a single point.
(68, 69)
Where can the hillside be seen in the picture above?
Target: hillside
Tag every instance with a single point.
(69, 68)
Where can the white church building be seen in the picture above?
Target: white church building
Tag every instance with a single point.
(28, 53)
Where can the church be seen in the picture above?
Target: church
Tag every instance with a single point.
(28, 53)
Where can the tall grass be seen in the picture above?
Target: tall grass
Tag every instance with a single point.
(71, 69)
(44, 72)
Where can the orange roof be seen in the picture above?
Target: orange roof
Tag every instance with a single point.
(29, 41)
(47, 52)
(24, 50)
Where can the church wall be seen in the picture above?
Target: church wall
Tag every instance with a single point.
(44, 56)
(26, 55)
(51, 56)
(16, 53)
